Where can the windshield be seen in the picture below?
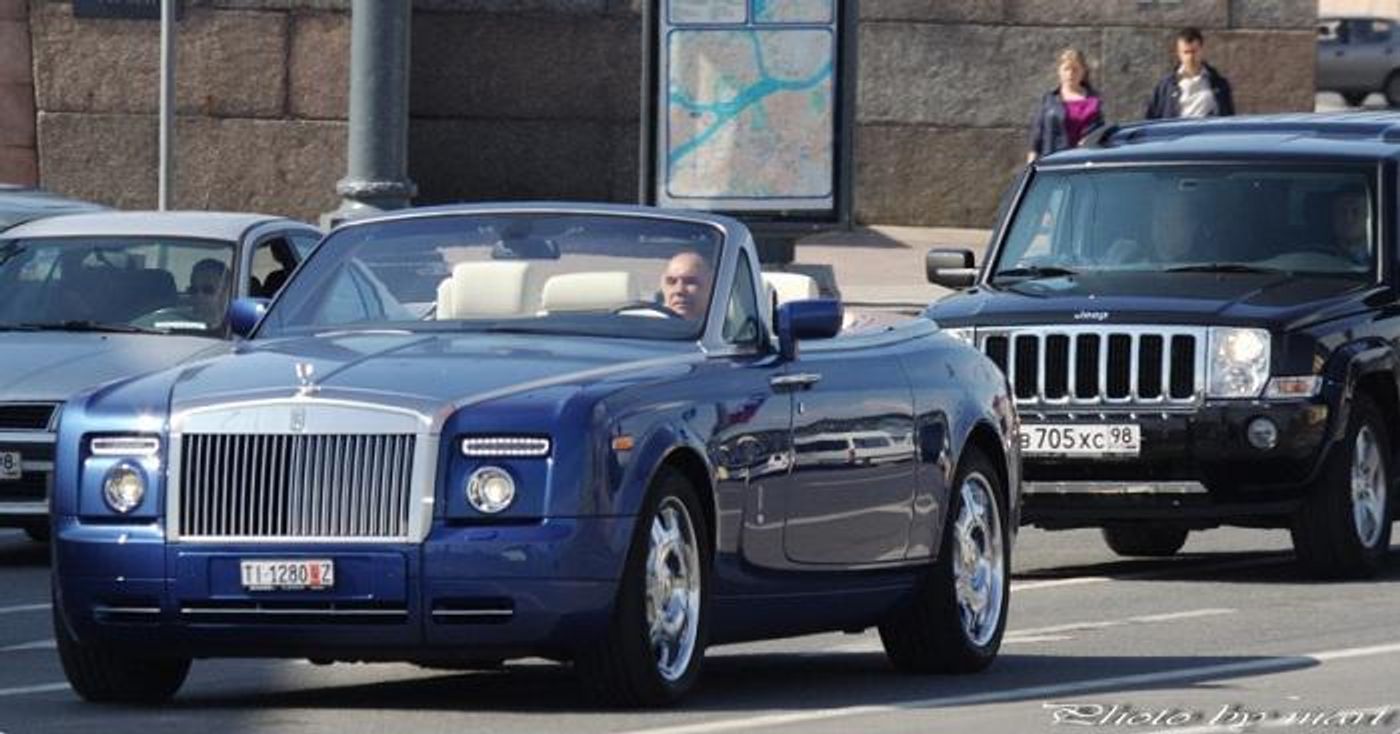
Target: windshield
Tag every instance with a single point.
(539, 273)
(1217, 218)
(119, 284)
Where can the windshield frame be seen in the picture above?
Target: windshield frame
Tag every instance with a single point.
(235, 268)
(730, 240)
(1374, 171)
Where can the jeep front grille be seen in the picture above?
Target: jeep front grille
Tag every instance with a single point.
(1093, 367)
(330, 487)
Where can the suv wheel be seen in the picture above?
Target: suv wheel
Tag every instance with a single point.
(1343, 528)
(1392, 89)
(108, 676)
(1145, 540)
(652, 651)
(954, 621)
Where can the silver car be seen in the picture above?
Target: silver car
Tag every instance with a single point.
(1357, 56)
(87, 299)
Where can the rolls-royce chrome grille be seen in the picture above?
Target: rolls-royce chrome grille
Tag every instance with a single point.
(1097, 367)
(296, 486)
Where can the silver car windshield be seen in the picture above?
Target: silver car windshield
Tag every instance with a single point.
(115, 284)
(607, 275)
(1183, 219)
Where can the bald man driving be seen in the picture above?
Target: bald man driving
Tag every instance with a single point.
(685, 285)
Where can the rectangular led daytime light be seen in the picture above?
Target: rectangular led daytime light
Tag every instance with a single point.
(125, 446)
(505, 446)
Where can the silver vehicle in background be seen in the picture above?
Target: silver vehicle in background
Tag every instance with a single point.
(87, 299)
(1357, 56)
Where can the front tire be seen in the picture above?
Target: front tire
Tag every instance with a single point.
(1145, 540)
(1343, 528)
(655, 643)
(955, 620)
(101, 675)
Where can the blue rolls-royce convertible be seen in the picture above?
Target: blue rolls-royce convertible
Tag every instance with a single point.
(467, 434)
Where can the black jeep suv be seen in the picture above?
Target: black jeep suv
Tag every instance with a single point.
(1201, 324)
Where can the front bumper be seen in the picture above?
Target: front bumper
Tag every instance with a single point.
(1197, 468)
(467, 593)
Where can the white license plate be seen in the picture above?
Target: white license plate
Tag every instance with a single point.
(1081, 440)
(311, 575)
(11, 465)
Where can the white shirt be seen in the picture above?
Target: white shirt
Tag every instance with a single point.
(1197, 98)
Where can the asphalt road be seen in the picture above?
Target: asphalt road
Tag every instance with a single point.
(1224, 634)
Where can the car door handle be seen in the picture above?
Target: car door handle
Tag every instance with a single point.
(795, 381)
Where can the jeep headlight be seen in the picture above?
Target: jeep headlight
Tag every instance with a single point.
(1238, 362)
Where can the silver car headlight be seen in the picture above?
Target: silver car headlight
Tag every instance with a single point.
(1238, 362)
(965, 334)
(124, 487)
(490, 490)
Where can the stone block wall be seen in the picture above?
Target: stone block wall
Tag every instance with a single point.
(18, 164)
(947, 87)
(517, 99)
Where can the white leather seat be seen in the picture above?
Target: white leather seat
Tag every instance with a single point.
(595, 291)
(484, 289)
(791, 287)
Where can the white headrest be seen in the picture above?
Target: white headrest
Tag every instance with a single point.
(588, 291)
(791, 286)
(483, 289)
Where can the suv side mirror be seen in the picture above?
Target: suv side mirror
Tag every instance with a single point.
(817, 318)
(951, 268)
(244, 315)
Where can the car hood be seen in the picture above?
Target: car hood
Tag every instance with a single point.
(53, 366)
(423, 372)
(1277, 301)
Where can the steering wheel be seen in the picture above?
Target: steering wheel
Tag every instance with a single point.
(649, 306)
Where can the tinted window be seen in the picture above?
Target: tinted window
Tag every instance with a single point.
(1305, 220)
(741, 319)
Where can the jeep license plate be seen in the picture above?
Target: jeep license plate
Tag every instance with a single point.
(1081, 440)
(11, 466)
(313, 575)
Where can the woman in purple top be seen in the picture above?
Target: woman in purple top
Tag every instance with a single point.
(1067, 113)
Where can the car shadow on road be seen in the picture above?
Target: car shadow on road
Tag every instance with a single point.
(1273, 567)
(767, 681)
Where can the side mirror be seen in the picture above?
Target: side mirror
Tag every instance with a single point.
(818, 318)
(951, 268)
(244, 315)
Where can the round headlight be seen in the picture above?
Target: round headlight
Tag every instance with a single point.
(1244, 346)
(490, 489)
(123, 488)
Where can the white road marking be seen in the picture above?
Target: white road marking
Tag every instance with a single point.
(1266, 665)
(1057, 632)
(1170, 570)
(27, 690)
(24, 608)
(49, 644)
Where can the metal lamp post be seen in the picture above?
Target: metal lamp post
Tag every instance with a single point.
(377, 175)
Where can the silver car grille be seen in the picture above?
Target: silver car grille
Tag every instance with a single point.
(304, 487)
(1091, 367)
(26, 416)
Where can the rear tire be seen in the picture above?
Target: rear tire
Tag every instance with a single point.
(1145, 540)
(1392, 89)
(101, 675)
(1343, 528)
(652, 652)
(955, 620)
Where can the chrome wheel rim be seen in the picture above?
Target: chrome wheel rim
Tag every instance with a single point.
(673, 589)
(1368, 488)
(979, 560)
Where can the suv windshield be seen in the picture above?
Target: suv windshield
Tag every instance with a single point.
(115, 284)
(1227, 219)
(524, 272)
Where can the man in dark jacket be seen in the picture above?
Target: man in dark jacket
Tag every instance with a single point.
(1194, 88)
